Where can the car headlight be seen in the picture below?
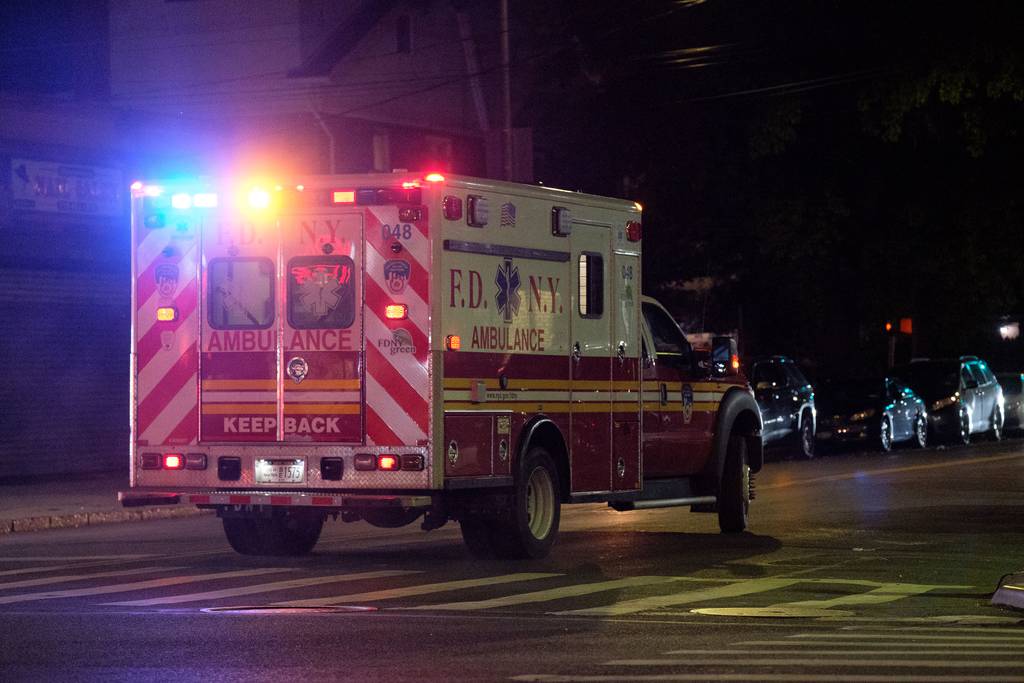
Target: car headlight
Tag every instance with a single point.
(862, 415)
(944, 403)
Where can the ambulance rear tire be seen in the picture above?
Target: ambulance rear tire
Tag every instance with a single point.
(536, 510)
(283, 534)
(734, 490)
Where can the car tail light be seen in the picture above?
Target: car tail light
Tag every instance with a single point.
(388, 463)
(453, 342)
(396, 311)
(174, 461)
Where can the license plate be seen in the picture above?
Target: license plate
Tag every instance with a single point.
(281, 471)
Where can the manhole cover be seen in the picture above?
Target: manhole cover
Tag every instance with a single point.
(259, 609)
(771, 612)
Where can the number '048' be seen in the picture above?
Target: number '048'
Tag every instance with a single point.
(398, 231)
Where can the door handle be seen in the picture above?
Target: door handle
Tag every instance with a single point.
(576, 353)
(620, 353)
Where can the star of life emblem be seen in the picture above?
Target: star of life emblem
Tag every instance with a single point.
(507, 298)
(320, 287)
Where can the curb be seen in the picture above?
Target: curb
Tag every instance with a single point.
(74, 521)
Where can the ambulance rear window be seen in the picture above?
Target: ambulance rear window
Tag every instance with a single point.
(321, 292)
(241, 293)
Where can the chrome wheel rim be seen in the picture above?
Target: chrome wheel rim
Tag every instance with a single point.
(886, 436)
(540, 503)
(922, 432)
(997, 424)
(808, 438)
(965, 426)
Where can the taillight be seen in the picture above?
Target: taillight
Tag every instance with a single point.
(388, 463)
(396, 311)
(735, 361)
(452, 206)
(634, 231)
(453, 342)
(174, 461)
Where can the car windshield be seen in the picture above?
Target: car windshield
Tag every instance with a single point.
(931, 380)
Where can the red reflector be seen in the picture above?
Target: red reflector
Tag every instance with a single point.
(453, 342)
(634, 231)
(434, 178)
(396, 311)
(344, 197)
(388, 462)
(174, 461)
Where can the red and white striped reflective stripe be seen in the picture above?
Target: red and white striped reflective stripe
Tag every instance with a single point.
(397, 377)
(167, 359)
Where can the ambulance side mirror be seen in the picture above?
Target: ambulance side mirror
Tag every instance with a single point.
(724, 357)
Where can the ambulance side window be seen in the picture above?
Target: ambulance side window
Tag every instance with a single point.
(241, 293)
(591, 279)
(321, 292)
(670, 346)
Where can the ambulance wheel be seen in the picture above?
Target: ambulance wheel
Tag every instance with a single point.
(536, 509)
(283, 534)
(734, 491)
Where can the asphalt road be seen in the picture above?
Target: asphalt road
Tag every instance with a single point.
(857, 567)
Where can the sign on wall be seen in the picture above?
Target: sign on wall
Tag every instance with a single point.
(65, 188)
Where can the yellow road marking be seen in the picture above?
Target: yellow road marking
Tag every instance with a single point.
(551, 594)
(49, 580)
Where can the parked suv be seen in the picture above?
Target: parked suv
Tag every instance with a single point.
(962, 396)
(786, 400)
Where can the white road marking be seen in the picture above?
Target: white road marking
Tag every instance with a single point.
(900, 636)
(410, 591)
(975, 651)
(140, 585)
(886, 593)
(862, 643)
(50, 580)
(72, 558)
(261, 588)
(686, 597)
(551, 594)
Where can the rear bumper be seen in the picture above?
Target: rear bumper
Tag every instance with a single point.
(335, 501)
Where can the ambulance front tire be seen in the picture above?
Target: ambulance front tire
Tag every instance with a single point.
(535, 513)
(734, 489)
(283, 534)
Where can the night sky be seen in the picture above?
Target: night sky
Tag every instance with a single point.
(809, 170)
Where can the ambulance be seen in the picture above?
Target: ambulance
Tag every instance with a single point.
(401, 347)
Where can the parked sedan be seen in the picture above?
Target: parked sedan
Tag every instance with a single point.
(1013, 399)
(875, 412)
(786, 400)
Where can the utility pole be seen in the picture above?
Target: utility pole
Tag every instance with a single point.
(506, 87)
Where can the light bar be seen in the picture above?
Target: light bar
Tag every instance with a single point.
(181, 201)
(434, 178)
(259, 198)
(206, 200)
(344, 197)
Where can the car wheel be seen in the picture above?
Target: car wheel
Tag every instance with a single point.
(806, 437)
(885, 434)
(921, 431)
(965, 427)
(997, 424)
(734, 490)
(536, 510)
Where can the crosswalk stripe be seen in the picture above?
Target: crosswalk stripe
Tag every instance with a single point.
(571, 591)
(66, 578)
(261, 588)
(811, 662)
(74, 558)
(53, 568)
(686, 597)
(137, 586)
(885, 593)
(410, 591)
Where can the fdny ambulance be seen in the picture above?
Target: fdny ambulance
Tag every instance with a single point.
(397, 347)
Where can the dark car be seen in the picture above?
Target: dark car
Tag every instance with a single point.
(786, 400)
(962, 396)
(879, 412)
(1013, 399)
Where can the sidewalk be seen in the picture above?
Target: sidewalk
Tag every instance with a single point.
(76, 501)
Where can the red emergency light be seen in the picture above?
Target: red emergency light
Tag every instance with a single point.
(174, 461)
(434, 178)
(388, 463)
(634, 231)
